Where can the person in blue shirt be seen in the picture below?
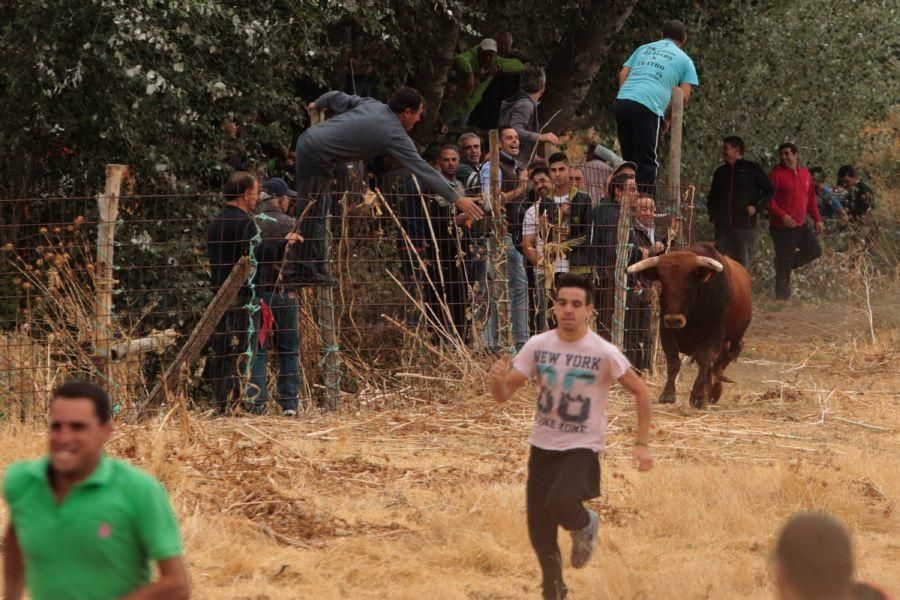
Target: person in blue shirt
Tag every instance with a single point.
(830, 205)
(645, 90)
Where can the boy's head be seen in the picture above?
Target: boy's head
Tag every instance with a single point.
(574, 303)
(559, 169)
(813, 559)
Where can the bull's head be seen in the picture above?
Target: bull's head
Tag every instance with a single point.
(681, 274)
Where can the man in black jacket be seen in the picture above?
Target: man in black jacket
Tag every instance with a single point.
(231, 235)
(739, 190)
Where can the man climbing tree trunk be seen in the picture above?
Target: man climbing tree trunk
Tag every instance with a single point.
(575, 63)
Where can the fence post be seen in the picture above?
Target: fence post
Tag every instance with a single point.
(328, 324)
(623, 251)
(674, 199)
(500, 284)
(108, 204)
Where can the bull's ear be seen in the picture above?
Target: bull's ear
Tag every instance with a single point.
(705, 274)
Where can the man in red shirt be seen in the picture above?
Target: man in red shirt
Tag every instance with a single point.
(794, 240)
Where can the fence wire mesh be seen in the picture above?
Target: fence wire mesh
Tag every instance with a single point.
(416, 299)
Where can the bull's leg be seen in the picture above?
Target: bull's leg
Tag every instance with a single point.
(716, 377)
(703, 383)
(673, 365)
(728, 354)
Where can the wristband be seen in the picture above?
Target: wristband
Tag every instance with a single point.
(640, 444)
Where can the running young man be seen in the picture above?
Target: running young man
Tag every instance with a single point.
(575, 368)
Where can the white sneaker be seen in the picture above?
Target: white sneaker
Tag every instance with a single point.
(289, 413)
(584, 541)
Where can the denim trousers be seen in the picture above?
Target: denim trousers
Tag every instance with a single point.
(518, 301)
(284, 339)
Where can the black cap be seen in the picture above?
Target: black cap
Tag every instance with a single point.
(277, 187)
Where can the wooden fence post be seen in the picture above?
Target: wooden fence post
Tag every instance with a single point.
(204, 328)
(108, 204)
(623, 251)
(328, 322)
(499, 287)
(674, 195)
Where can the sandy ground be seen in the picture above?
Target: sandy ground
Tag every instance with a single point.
(426, 499)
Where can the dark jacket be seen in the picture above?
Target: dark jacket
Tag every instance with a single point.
(521, 113)
(273, 225)
(230, 236)
(603, 241)
(580, 219)
(733, 189)
(860, 200)
(467, 175)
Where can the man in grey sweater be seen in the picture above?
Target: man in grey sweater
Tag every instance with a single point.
(361, 128)
(521, 112)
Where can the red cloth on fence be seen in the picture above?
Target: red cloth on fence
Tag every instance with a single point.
(266, 322)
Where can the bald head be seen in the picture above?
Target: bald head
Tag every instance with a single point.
(814, 559)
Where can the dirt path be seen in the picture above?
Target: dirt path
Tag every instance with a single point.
(427, 501)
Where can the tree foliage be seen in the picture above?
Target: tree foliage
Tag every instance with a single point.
(148, 83)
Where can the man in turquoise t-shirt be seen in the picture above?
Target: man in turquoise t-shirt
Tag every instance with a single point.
(645, 89)
(84, 526)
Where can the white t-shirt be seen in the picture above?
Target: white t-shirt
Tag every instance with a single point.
(575, 378)
(530, 227)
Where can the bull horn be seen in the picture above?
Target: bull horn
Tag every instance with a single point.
(643, 265)
(705, 261)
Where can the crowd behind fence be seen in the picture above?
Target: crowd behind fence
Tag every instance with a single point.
(417, 295)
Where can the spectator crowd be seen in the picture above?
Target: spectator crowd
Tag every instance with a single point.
(558, 216)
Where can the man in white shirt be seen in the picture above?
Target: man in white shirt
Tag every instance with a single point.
(575, 368)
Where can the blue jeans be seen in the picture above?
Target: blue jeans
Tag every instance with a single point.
(285, 339)
(518, 301)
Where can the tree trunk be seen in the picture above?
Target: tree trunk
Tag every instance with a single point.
(431, 77)
(574, 65)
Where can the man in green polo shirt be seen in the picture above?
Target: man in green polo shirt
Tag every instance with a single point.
(84, 526)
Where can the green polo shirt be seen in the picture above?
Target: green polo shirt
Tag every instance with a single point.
(99, 542)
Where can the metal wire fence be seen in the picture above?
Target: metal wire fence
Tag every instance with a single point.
(130, 291)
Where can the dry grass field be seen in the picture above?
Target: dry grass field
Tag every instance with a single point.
(423, 497)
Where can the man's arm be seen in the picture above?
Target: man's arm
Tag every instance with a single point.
(173, 583)
(775, 210)
(812, 206)
(765, 189)
(505, 381)
(687, 88)
(631, 382)
(712, 198)
(529, 245)
(13, 567)
(402, 148)
(623, 75)
(337, 102)
(509, 65)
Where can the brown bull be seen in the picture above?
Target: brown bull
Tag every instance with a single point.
(704, 311)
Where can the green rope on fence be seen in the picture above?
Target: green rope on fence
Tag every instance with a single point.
(252, 307)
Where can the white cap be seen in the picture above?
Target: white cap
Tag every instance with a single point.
(488, 45)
